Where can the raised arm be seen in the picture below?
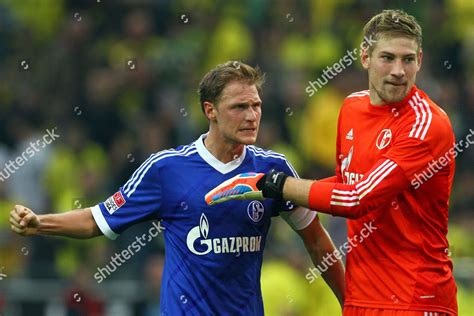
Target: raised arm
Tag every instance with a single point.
(75, 223)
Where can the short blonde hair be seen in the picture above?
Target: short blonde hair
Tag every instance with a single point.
(393, 23)
(216, 79)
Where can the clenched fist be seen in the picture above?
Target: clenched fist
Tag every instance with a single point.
(24, 221)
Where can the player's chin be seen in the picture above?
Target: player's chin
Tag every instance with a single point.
(249, 140)
(396, 94)
(248, 137)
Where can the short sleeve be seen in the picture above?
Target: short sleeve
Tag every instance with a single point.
(299, 218)
(137, 201)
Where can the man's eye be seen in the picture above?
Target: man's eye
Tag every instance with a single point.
(387, 58)
(409, 59)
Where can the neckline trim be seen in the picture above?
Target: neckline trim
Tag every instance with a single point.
(387, 107)
(206, 155)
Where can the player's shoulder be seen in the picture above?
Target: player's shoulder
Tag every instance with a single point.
(436, 110)
(269, 159)
(427, 120)
(172, 155)
(355, 100)
(260, 153)
(357, 97)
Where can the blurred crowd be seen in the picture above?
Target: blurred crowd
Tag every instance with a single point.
(118, 81)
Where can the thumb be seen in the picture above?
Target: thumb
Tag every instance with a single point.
(21, 210)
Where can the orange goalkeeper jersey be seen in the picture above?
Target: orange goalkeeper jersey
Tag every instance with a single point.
(395, 167)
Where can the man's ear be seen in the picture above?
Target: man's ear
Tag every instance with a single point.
(420, 58)
(365, 58)
(210, 110)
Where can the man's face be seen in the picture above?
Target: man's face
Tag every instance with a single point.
(236, 115)
(392, 68)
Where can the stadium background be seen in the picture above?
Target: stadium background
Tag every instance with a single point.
(118, 79)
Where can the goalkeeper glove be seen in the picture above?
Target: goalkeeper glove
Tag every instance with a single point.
(249, 186)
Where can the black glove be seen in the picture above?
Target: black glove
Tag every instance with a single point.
(272, 184)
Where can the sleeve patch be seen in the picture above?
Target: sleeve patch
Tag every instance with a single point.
(114, 202)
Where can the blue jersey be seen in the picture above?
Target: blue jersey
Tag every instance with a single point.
(213, 254)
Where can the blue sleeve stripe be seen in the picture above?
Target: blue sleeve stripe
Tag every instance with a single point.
(260, 152)
(187, 152)
(135, 174)
(139, 172)
(266, 152)
(295, 174)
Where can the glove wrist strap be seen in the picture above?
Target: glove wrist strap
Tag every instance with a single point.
(272, 186)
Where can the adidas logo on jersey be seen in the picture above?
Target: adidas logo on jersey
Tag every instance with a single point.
(350, 135)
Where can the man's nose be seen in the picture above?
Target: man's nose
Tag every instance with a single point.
(251, 114)
(398, 70)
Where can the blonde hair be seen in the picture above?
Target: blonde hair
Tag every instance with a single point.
(216, 79)
(393, 23)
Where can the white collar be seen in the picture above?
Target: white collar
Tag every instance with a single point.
(213, 161)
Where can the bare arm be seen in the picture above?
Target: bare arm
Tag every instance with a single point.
(75, 224)
(297, 190)
(319, 245)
